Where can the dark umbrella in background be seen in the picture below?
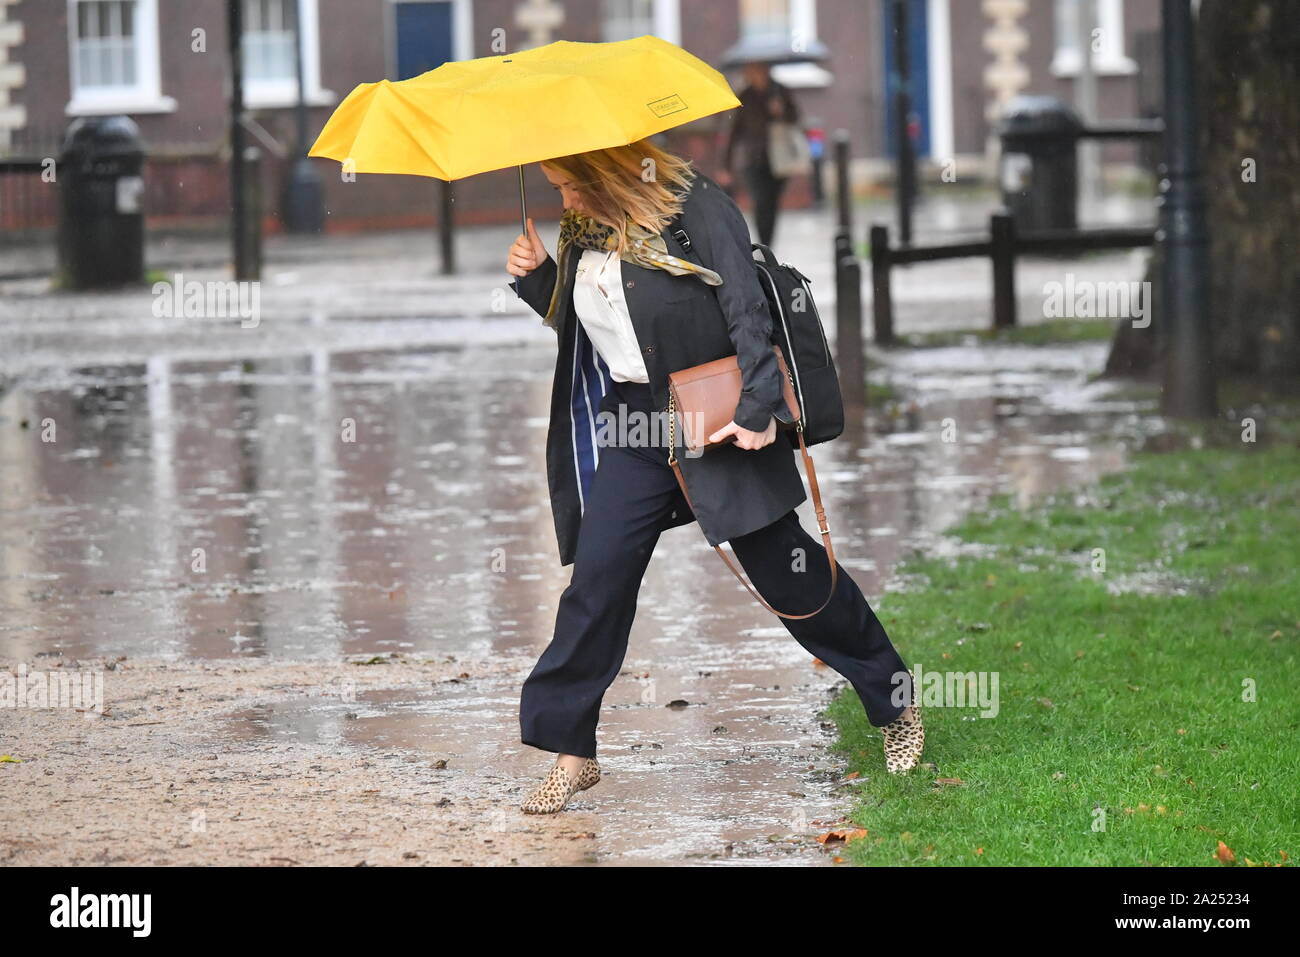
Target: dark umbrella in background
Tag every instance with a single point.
(772, 50)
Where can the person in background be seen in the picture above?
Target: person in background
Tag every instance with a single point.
(762, 100)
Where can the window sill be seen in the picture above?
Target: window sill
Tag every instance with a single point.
(255, 99)
(1068, 66)
(108, 106)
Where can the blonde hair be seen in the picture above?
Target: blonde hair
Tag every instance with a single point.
(614, 188)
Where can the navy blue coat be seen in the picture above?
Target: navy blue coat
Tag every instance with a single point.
(679, 322)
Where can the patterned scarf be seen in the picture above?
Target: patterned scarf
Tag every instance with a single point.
(643, 248)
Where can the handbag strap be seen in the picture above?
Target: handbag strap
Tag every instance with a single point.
(684, 239)
(821, 527)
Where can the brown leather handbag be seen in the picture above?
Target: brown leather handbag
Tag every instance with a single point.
(706, 395)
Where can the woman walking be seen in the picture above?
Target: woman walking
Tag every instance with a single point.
(630, 304)
(762, 101)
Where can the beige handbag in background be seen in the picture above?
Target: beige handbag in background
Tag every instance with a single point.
(788, 152)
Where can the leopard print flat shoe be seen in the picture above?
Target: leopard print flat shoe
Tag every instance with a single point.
(904, 738)
(553, 793)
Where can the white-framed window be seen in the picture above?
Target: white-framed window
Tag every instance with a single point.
(1108, 44)
(113, 57)
(270, 69)
(763, 18)
(625, 19)
(792, 20)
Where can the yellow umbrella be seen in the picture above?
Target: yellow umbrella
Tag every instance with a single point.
(474, 116)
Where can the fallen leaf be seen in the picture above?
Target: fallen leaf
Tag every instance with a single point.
(842, 836)
(1223, 854)
(952, 781)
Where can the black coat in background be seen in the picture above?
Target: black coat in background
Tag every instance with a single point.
(680, 322)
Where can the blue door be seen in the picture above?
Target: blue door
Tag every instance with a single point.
(919, 66)
(423, 36)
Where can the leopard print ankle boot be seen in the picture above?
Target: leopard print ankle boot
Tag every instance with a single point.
(553, 793)
(904, 738)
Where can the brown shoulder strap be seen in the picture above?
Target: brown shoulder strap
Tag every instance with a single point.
(821, 527)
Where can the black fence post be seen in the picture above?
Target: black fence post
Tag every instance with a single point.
(882, 302)
(843, 197)
(848, 289)
(1002, 251)
(238, 215)
(249, 265)
(848, 334)
(446, 228)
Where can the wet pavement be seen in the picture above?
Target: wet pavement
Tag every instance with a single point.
(348, 480)
(208, 510)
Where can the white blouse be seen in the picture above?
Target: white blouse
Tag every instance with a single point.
(599, 302)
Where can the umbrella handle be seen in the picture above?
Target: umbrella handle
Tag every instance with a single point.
(523, 215)
(523, 203)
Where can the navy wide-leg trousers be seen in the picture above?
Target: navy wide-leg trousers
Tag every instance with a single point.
(632, 494)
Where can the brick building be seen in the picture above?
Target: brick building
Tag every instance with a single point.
(164, 63)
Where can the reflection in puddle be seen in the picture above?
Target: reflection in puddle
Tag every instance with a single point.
(332, 504)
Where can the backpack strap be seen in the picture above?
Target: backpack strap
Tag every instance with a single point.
(678, 232)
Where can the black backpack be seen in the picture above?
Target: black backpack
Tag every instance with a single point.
(797, 329)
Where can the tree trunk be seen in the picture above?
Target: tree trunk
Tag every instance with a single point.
(1248, 65)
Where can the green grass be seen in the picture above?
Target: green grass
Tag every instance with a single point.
(879, 392)
(1129, 703)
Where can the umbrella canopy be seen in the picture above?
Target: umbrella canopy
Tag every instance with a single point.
(474, 116)
(774, 49)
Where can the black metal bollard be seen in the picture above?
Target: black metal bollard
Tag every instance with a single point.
(249, 264)
(447, 227)
(882, 300)
(1002, 250)
(848, 288)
